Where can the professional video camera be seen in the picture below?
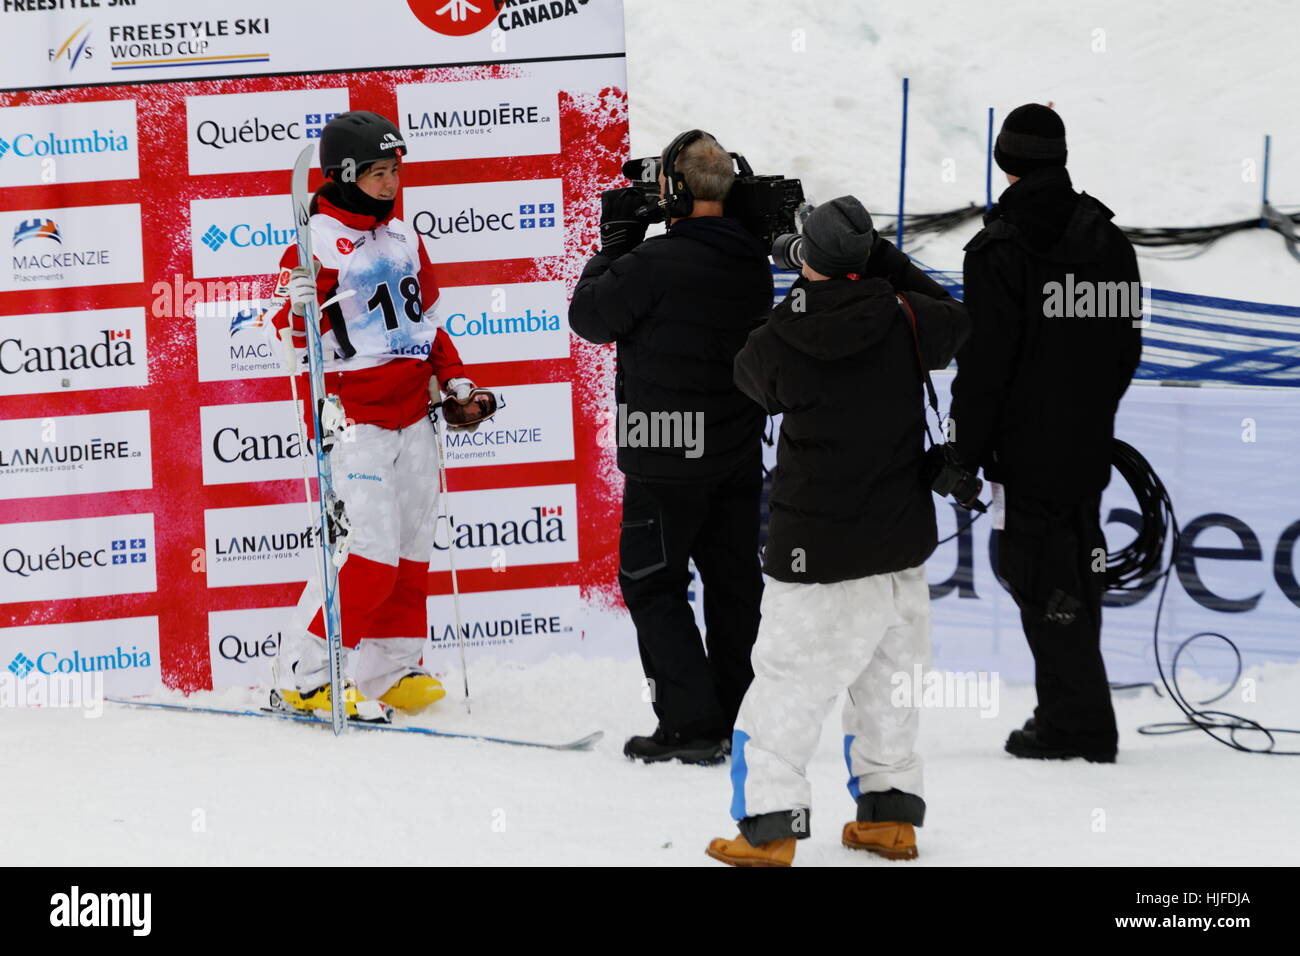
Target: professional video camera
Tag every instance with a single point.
(765, 205)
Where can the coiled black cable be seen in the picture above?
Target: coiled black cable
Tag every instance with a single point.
(1138, 565)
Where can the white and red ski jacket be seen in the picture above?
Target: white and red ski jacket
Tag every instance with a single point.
(384, 341)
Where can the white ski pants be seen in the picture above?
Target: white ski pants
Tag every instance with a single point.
(816, 640)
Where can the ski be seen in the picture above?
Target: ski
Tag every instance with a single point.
(582, 743)
(332, 520)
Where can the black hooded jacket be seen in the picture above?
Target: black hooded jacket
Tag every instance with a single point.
(838, 361)
(680, 307)
(1035, 395)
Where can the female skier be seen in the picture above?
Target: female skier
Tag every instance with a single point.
(386, 356)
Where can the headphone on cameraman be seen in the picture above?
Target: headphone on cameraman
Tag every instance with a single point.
(678, 200)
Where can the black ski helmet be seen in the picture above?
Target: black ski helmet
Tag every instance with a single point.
(360, 136)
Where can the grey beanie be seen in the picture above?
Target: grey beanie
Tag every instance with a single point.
(838, 236)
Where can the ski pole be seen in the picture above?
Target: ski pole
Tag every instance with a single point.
(451, 549)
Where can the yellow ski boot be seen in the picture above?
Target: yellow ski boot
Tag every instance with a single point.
(414, 692)
(357, 707)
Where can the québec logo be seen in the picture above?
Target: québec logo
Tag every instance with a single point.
(244, 235)
(37, 229)
(215, 135)
(471, 221)
(133, 551)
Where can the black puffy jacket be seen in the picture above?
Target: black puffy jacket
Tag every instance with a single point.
(680, 307)
(838, 360)
(1035, 395)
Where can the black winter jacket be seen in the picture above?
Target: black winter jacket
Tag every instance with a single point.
(680, 307)
(1035, 395)
(848, 497)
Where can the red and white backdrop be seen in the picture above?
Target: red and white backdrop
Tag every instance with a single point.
(151, 492)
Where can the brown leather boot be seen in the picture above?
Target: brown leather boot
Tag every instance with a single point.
(894, 841)
(739, 852)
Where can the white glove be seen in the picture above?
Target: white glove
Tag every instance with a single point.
(302, 289)
(460, 389)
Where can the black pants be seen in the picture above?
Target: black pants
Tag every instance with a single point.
(1046, 557)
(696, 692)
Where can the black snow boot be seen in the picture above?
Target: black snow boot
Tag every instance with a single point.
(665, 745)
(1028, 743)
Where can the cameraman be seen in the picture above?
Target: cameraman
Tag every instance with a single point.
(846, 605)
(1034, 403)
(680, 306)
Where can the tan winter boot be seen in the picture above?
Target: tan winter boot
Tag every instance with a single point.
(894, 841)
(739, 852)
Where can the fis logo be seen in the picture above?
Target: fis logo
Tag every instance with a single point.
(21, 666)
(37, 229)
(315, 122)
(537, 215)
(134, 551)
(75, 48)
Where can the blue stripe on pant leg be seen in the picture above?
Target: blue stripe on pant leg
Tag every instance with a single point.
(739, 771)
(854, 787)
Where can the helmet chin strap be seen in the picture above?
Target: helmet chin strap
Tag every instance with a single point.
(350, 196)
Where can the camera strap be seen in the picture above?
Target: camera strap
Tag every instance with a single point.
(925, 372)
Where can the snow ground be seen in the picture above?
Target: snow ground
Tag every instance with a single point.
(1165, 122)
(269, 791)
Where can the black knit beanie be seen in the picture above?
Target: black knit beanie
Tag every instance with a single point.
(1032, 138)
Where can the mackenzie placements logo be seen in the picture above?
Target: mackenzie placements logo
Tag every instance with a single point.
(456, 18)
(37, 229)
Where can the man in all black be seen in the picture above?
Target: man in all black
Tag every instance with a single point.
(680, 307)
(1034, 403)
(847, 605)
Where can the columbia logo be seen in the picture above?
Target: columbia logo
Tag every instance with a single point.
(132, 551)
(214, 238)
(537, 215)
(21, 666)
(315, 122)
(4, 146)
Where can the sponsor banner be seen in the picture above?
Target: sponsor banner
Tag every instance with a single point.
(254, 441)
(235, 340)
(518, 322)
(78, 557)
(477, 222)
(243, 644)
(72, 351)
(505, 527)
(79, 245)
(243, 236)
(525, 625)
(59, 43)
(1239, 567)
(479, 119)
(535, 423)
(68, 143)
(264, 544)
(242, 132)
(75, 455)
(124, 651)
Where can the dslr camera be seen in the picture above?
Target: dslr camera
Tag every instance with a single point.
(765, 205)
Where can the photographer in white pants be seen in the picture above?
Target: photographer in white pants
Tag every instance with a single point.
(846, 604)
